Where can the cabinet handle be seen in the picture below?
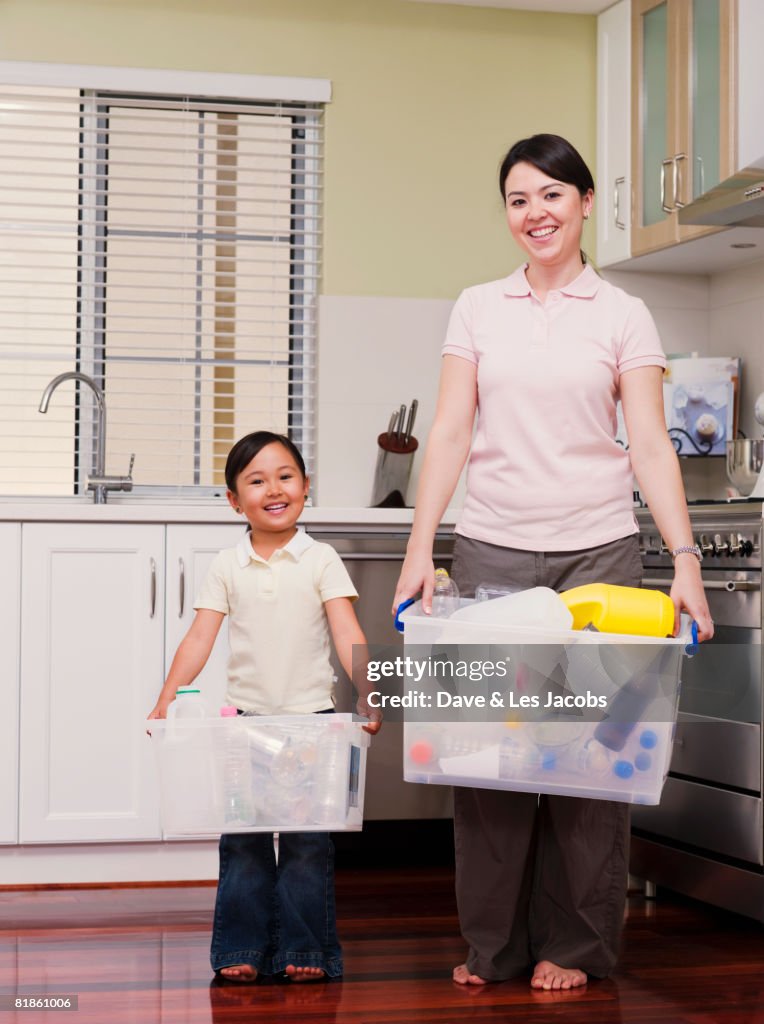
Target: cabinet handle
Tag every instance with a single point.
(182, 576)
(617, 204)
(153, 597)
(664, 164)
(677, 181)
(701, 175)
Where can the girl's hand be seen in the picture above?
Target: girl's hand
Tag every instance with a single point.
(373, 714)
(688, 594)
(418, 573)
(160, 709)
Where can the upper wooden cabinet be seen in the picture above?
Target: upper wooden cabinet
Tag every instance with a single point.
(683, 112)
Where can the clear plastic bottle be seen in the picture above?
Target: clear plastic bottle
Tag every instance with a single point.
(332, 776)
(289, 760)
(445, 596)
(238, 804)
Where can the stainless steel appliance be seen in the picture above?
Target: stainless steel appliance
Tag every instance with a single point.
(374, 556)
(737, 201)
(706, 838)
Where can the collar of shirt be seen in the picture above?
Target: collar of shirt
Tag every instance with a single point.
(582, 287)
(296, 547)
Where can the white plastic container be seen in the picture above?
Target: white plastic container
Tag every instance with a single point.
(291, 783)
(623, 755)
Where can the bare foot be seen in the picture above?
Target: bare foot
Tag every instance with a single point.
(462, 976)
(550, 976)
(304, 973)
(245, 973)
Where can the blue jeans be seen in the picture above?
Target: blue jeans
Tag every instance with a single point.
(271, 914)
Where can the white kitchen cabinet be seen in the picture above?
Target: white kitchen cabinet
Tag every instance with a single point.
(10, 590)
(92, 650)
(613, 182)
(190, 550)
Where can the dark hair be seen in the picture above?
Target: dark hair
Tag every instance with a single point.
(248, 447)
(554, 156)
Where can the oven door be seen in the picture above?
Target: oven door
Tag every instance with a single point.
(718, 736)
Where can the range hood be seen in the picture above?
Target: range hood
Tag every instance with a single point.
(736, 202)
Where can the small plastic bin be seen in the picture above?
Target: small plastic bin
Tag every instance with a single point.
(290, 773)
(617, 750)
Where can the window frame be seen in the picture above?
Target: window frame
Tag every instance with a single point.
(99, 86)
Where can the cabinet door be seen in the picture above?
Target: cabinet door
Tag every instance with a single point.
(683, 112)
(655, 124)
(190, 550)
(92, 638)
(707, 31)
(613, 134)
(10, 594)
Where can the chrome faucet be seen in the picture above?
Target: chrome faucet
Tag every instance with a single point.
(99, 483)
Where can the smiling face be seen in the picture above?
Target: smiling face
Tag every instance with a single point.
(271, 492)
(545, 216)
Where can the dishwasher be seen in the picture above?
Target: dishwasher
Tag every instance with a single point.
(374, 557)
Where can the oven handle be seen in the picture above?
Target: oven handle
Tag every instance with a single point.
(729, 585)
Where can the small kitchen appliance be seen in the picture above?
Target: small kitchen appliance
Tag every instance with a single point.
(745, 459)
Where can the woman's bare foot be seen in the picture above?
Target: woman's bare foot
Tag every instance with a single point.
(551, 976)
(304, 973)
(239, 972)
(462, 976)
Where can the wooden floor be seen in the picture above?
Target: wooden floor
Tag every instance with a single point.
(140, 955)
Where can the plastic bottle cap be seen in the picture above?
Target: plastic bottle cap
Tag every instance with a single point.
(185, 689)
(422, 752)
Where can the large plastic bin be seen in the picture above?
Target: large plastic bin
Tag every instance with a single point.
(291, 773)
(620, 753)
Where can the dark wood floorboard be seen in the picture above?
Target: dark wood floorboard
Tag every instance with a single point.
(140, 955)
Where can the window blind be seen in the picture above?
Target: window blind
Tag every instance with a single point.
(168, 248)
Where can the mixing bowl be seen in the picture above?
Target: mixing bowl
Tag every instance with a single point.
(744, 461)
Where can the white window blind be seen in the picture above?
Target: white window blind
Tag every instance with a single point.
(169, 248)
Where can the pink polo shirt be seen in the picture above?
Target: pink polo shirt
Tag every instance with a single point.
(545, 472)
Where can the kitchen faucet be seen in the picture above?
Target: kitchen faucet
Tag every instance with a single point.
(99, 484)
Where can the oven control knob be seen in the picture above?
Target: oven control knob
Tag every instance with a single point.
(663, 547)
(746, 546)
(706, 546)
(721, 547)
(734, 543)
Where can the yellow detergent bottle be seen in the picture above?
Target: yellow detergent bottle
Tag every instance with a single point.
(612, 609)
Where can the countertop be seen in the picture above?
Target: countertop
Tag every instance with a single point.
(214, 510)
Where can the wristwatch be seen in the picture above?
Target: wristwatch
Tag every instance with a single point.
(688, 549)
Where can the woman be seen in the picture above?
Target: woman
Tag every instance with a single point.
(542, 357)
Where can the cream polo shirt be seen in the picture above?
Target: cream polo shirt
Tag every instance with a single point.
(545, 472)
(277, 626)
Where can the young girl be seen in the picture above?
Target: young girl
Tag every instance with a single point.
(284, 594)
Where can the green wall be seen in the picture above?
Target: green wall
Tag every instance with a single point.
(426, 100)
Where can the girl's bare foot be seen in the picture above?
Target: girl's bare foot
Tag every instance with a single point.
(304, 973)
(239, 972)
(551, 976)
(462, 976)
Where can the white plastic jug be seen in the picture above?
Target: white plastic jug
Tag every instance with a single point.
(539, 606)
(188, 703)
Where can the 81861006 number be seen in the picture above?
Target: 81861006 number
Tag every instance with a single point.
(33, 1001)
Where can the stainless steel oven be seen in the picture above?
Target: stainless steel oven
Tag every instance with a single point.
(706, 838)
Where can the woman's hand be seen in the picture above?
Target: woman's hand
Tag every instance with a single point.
(418, 573)
(688, 594)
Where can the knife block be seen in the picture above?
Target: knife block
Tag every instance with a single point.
(392, 472)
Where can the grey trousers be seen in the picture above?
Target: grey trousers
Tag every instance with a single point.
(541, 877)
